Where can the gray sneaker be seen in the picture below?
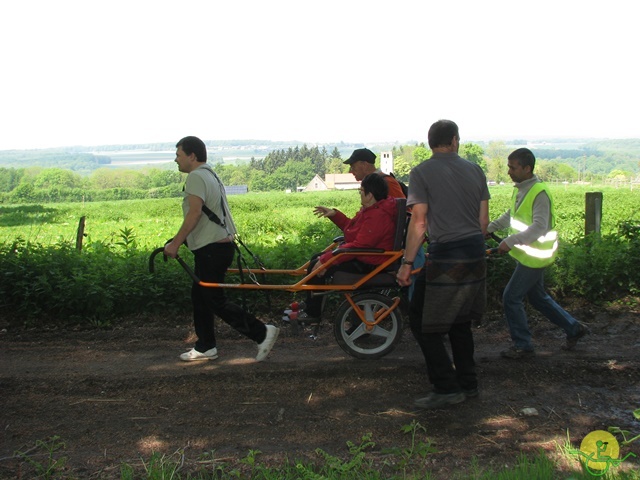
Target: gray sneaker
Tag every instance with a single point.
(439, 400)
(193, 355)
(267, 344)
(573, 341)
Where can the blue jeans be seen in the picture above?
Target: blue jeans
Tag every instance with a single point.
(529, 282)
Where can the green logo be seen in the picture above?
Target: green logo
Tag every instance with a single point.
(599, 451)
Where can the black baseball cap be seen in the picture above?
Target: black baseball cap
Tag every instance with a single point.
(361, 155)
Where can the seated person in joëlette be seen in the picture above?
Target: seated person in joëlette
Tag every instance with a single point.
(373, 226)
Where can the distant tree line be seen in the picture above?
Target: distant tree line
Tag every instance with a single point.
(38, 185)
(286, 168)
(80, 162)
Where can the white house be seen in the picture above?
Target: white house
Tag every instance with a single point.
(315, 185)
(341, 181)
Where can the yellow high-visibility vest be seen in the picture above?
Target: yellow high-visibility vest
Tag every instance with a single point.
(542, 252)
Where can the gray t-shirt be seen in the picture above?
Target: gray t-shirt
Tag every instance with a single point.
(453, 189)
(203, 183)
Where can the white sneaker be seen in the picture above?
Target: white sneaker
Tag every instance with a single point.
(267, 344)
(193, 354)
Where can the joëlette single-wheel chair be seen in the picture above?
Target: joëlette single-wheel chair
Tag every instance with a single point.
(368, 323)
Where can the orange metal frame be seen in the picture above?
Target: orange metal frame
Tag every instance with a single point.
(303, 285)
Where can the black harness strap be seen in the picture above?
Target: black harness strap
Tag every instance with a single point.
(207, 211)
(213, 217)
(240, 259)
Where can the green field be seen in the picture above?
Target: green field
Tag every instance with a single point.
(265, 220)
(44, 276)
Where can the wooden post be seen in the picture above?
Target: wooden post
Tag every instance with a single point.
(593, 212)
(80, 234)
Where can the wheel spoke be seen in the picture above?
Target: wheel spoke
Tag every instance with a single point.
(357, 333)
(378, 331)
(374, 341)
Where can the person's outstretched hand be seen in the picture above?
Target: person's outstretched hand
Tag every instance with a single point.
(320, 211)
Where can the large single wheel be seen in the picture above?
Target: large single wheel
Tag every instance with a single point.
(368, 341)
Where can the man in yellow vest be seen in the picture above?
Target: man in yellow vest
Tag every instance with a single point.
(533, 243)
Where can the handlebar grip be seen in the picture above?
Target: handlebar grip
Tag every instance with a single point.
(182, 263)
(188, 269)
(152, 257)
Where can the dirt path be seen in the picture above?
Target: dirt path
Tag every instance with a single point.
(116, 396)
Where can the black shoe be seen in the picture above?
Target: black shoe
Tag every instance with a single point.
(470, 392)
(573, 341)
(439, 400)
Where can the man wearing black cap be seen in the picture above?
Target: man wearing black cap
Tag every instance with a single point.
(362, 162)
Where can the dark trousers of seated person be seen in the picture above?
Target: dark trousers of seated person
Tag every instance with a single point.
(442, 374)
(314, 303)
(211, 264)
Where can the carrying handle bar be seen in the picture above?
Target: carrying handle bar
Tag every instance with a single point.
(182, 263)
(494, 250)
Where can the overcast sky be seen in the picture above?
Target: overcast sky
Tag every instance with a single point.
(95, 72)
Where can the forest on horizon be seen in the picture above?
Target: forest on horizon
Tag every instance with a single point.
(90, 173)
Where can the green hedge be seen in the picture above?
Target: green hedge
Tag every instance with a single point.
(39, 283)
(43, 276)
(58, 282)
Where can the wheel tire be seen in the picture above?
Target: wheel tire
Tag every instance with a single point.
(352, 335)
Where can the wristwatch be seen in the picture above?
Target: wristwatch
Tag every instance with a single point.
(407, 262)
